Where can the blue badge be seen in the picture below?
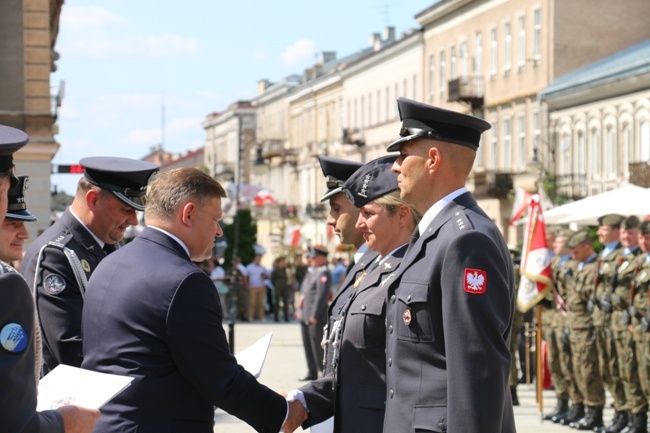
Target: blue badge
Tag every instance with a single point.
(13, 338)
(54, 284)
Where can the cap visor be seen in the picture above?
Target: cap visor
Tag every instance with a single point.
(395, 145)
(331, 193)
(136, 203)
(22, 215)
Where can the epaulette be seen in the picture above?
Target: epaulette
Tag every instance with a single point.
(461, 222)
(6, 268)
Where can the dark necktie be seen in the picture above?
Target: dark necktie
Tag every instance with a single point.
(109, 248)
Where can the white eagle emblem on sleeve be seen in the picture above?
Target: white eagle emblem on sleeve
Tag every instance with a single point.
(475, 281)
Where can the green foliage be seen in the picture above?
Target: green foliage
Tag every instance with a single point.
(246, 239)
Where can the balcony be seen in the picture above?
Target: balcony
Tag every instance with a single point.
(353, 136)
(316, 211)
(499, 184)
(468, 90)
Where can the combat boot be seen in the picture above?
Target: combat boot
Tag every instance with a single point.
(576, 412)
(561, 409)
(619, 423)
(638, 424)
(591, 421)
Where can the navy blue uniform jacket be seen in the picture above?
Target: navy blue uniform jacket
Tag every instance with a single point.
(449, 314)
(151, 314)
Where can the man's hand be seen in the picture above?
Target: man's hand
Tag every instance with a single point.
(78, 419)
(297, 415)
(313, 321)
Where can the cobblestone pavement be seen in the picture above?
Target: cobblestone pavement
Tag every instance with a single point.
(285, 363)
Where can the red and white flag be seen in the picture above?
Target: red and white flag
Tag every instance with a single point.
(292, 236)
(536, 275)
(264, 196)
(522, 197)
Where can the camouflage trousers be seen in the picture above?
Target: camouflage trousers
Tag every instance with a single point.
(554, 352)
(642, 352)
(585, 360)
(629, 371)
(608, 365)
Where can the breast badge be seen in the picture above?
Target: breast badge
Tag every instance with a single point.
(406, 315)
(85, 265)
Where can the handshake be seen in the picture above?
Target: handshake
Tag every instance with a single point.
(296, 416)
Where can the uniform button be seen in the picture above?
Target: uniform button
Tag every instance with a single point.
(442, 426)
(409, 298)
(390, 329)
(392, 299)
(390, 362)
(342, 312)
(363, 308)
(391, 393)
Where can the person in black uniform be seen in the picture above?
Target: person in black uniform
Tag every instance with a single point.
(451, 302)
(18, 331)
(165, 329)
(354, 392)
(60, 261)
(314, 293)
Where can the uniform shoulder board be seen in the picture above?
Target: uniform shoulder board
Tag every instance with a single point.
(6, 268)
(460, 221)
(64, 238)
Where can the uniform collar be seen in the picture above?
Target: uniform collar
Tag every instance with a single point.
(435, 209)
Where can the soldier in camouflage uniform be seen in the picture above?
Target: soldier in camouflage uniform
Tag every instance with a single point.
(584, 354)
(554, 313)
(622, 338)
(640, 326)
(609, 260)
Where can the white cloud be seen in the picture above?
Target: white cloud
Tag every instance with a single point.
(94, 33)
(301, 51)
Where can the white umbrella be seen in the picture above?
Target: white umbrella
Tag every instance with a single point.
(627, 200)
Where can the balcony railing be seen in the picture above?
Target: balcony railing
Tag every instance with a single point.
(467, 89)
(499, 184)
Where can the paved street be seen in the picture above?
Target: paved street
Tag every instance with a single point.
(285, 363)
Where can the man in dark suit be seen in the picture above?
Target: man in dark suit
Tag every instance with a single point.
(450, 304)
(19, 369)
(59, 262)
(164, 328)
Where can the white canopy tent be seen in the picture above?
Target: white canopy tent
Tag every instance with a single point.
(627, 200)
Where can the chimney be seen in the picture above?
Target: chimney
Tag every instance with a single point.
(262, 85)
(389, 34)
(375, 41)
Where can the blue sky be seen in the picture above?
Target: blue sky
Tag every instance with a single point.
(122, 60)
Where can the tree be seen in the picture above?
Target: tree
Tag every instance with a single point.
(246, 238)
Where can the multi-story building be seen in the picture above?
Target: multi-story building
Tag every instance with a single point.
(29, 31)
(599, 124)
(493, 57)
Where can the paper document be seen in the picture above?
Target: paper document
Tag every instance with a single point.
(71, 385)
(252, 358)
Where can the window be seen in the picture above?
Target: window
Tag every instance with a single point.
(521, 151)
(522, 41)
(370, 111)
(595, 156)
(389, 103)
(507, 48)
(627, 149)
(495, 146)
(537, 34)
(478, 55)
(581, 160)
(507, 144)
(441, 70)
(464, 61)
(644, 140)
(362, 115)
(610, 150)
(493, 52)
(432, 76)
(452, 63)
(414, 86)
(537, 131)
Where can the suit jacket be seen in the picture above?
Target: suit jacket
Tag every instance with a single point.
(449, 315)
(151, 314)
(59, 301)
(316, 289)
(355, 392)
(346, 290)
(18, 397)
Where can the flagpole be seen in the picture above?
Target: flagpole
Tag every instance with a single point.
(539, 364)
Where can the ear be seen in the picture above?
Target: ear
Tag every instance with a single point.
(435, 159)
(188, 213)
(403, 215)
(92, 195)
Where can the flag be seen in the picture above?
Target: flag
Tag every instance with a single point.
(264, 196)
(292, 236)
(536, 277)
(522, 197)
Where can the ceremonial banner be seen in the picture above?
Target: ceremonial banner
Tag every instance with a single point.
(536, 278)
(522, 197)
